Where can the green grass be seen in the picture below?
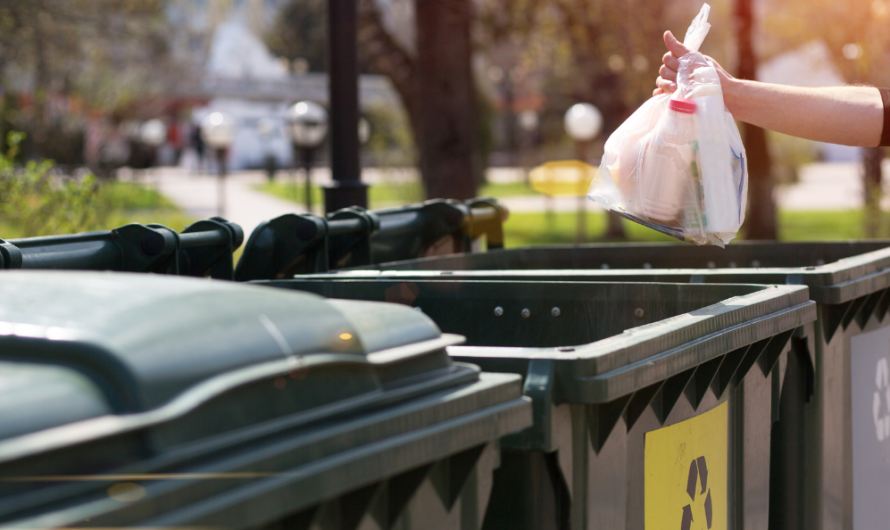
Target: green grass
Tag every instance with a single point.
(135, 203)
(819, 225)
(385, 195)
(512, 189)
(525, 229)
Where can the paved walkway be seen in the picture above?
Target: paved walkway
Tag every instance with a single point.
(821, 187)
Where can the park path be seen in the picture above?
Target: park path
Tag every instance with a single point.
(822, 186)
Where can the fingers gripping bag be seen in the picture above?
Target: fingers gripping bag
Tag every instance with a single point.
(677, 165)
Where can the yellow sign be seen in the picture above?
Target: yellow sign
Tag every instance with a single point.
(686, 474)
(569, 178)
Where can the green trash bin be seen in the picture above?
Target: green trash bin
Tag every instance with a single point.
(833, 465)
(204, 248)
(653, 403)
(141, 400)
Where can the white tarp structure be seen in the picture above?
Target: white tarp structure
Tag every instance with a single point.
(237, 54)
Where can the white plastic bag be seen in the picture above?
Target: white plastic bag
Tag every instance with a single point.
(678, 165)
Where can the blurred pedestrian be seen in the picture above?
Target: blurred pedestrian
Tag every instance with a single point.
(198, 144)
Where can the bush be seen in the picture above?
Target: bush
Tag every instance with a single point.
(35, 200)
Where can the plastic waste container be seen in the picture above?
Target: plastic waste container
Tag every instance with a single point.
(203, 249)
(833, 464)
(142, 400)
(653, 403)
(305, 243)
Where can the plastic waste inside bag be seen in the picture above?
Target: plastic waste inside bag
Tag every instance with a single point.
(678, 165)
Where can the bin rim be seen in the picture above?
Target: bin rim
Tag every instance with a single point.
(832, 283)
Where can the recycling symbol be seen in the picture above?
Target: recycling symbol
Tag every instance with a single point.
(698, 472)
(882, 380)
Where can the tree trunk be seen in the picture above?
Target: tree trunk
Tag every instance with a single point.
(446, 99)
(761, 219)
(872, 176)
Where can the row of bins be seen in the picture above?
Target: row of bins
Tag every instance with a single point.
(830, 449)
(668, 385)
(286, 245)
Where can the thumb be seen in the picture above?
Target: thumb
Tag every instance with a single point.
(674, 46)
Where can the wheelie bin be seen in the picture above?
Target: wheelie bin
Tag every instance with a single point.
(653, 403)
(833, 465)
(203, 249)
(166, 402)
(352, 237)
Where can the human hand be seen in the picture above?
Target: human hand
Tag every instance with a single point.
(667, 74)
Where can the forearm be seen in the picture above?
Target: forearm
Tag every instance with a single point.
(848, 115)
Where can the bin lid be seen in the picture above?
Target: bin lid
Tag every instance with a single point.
(129, 343)
(208, 398)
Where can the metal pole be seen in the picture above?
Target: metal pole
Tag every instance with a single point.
(221, 182)
(307, 166)
(347, 189)
(581, 233)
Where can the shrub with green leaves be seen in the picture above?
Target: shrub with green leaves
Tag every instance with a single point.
(36, 200)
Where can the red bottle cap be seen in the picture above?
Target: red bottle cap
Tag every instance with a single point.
(682, 105)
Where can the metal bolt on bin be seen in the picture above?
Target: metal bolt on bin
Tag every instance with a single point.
(305, 243)
(831, 469)
(203, 249)
(158, 401)
(642, 393)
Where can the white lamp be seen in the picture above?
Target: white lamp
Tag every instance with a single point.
(583, 122)
(153, 132)
(218, 130)
(307, 124)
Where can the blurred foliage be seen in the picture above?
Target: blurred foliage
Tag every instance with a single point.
(858, 25)
(300, 32)
(64, 60)
(36, 199)
(391, 143)
(788, 154)
(601, 52)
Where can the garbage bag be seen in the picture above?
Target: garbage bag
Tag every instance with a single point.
(678, 164)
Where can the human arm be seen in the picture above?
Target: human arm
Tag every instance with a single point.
(848, 115)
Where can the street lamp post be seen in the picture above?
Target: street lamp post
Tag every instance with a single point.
(218, 132)
(267, 128)
(583, 122)
(153, 134)
(307, 125)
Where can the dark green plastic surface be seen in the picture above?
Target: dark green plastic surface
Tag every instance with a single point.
(604, 363)
(203, 249)
(142, 400)
(305, 243)
(850, 281)
(813, 471)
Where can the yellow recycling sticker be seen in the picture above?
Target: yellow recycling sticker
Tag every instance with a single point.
(686, 473)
